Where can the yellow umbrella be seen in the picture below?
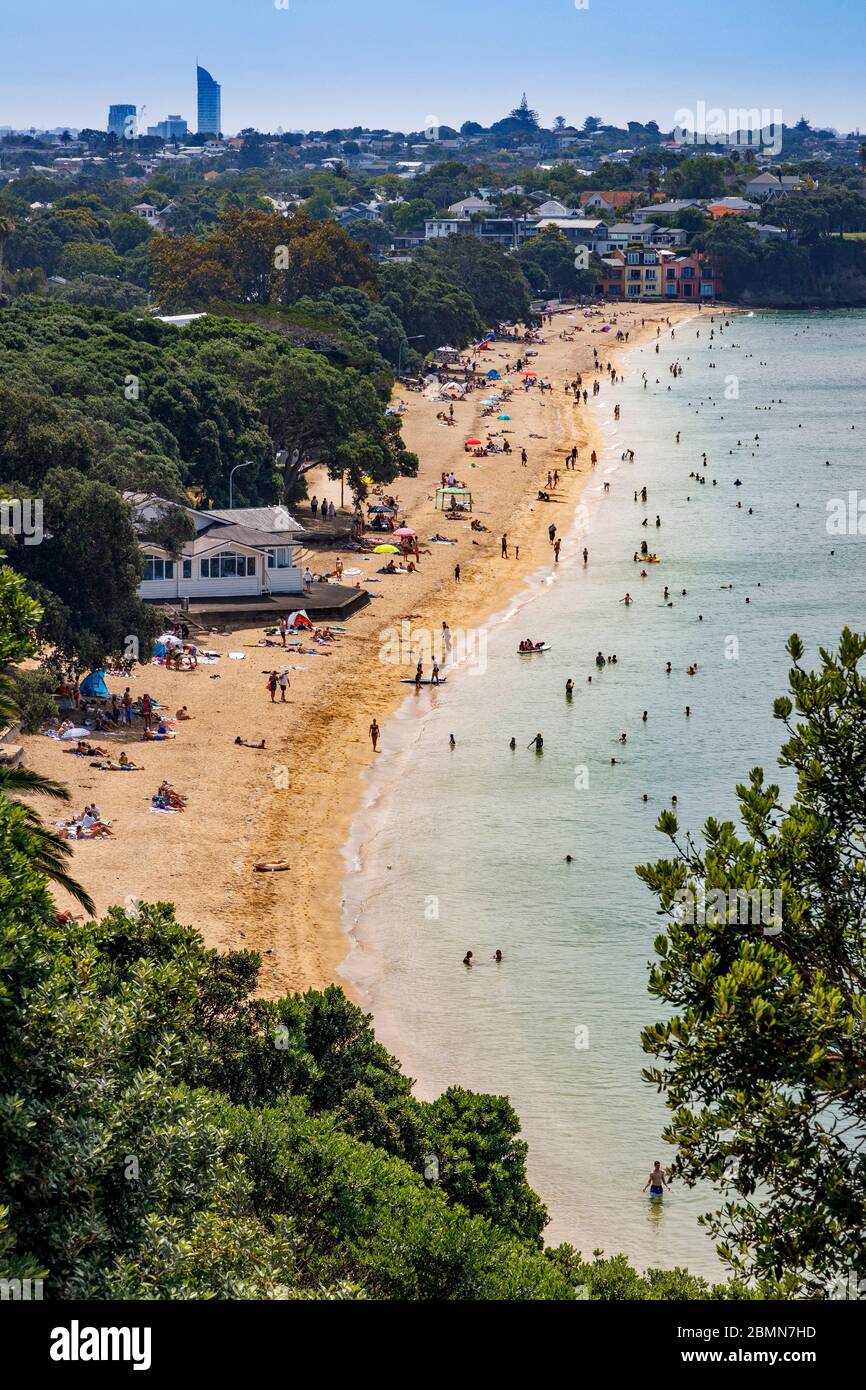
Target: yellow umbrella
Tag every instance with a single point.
(385, 550)
(365, 479)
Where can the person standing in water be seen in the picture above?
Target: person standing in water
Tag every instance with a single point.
(657, 1181)
(538, 742)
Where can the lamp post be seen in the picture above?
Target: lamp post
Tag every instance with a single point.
(411, 339)
(248, 464)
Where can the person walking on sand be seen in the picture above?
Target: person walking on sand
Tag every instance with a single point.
(284, 685)
(505, 546)
(272, 685)
(284, 630)
(457, 574)
(374, 736)
(556, 544)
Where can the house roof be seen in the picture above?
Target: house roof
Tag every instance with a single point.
(614, 199)
(258, 518)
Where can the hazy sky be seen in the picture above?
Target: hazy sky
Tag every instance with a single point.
(323, 63)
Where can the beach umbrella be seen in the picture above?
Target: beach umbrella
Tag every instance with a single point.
(365, 479)
(379, 509)
(473, 441)
(385, 550)
(528, 373)
(404, 531)
(503, 417)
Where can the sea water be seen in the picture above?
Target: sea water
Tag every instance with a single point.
(464, 848)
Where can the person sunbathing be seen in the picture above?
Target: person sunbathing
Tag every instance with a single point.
(83, 749)
(245, 743)
(122, 765)
(183, 713)
(161, 731)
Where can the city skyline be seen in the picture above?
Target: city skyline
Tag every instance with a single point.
(574, 62)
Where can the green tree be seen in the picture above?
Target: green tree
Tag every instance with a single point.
(763, 1052)
(86, 573)
(28, 839)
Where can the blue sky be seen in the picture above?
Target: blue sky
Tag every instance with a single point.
(322, 63)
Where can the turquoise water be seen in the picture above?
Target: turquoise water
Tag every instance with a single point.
(465, 848)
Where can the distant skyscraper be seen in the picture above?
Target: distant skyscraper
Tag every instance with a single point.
(121, 122)
(169, 129)
(208, 103)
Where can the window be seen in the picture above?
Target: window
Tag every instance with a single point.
(280, 558)
(155, 568)
(187, 569)
(227, 565)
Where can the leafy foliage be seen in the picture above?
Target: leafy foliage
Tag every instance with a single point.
(762, 1061)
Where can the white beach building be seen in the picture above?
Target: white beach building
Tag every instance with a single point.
(244, 552)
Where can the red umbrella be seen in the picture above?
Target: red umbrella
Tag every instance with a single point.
(528, 373)
(473, 441)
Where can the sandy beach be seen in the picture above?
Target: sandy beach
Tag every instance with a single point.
(294, 800)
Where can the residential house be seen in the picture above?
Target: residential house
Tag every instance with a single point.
(670, 236)
(553, 208)
(607, 201)
(621, 233)
(681, 277)
(771, 186)
(669, 209)
(730, 207)
(470, 205)
(239, 553)
(579, 231)
(642, 272)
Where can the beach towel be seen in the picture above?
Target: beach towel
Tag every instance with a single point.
(237, 656)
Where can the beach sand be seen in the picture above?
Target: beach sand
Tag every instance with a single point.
(295, 800)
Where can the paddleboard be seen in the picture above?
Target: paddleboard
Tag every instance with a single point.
(408, 680)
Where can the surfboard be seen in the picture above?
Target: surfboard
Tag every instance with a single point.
(408, 680)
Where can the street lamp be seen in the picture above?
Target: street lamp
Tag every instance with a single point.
(411, 339)
(248, 464)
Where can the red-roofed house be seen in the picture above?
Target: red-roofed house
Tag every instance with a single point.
(607, 200)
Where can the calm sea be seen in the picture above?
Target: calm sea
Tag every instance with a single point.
(464, 848)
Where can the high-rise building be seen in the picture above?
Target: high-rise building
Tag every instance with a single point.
(121, 122)
(171, 127)
(208, 103)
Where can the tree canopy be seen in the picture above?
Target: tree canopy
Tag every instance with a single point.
(762, 1055)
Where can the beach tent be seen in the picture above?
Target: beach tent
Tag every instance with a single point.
(299, 619)
(94, 685)
(461, 493)
(493, 375)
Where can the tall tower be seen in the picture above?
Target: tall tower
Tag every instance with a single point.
(209, 116)
(121, 121)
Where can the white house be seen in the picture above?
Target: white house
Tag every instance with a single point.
(772, 187)
(469, 205)
(244, 552)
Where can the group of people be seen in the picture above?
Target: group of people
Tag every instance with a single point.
(328, 510)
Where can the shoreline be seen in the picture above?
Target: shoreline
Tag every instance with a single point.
(358, 968)
(298, 799)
